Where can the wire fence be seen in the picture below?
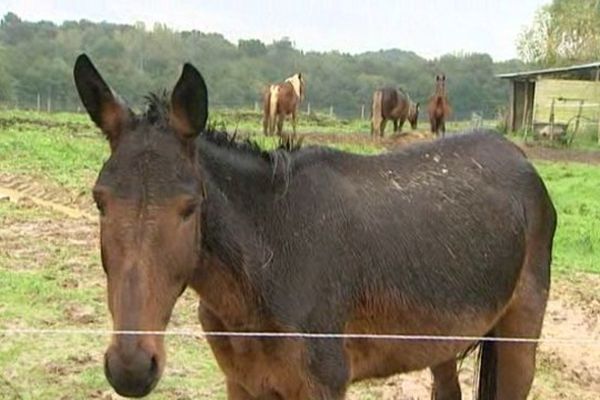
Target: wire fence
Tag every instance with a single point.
(573, 341)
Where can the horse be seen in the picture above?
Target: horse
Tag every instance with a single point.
(282, 99)
(449, 237)
(395, 104)
(439, 107)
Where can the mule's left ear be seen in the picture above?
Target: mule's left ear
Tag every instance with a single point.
(189, 103)
(104, 107)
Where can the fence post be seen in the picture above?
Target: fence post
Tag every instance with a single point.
(331, 111)
(49, 102)
(362, 112)
(256, 106)
(599, 125)
(39, 102)
(308, 108)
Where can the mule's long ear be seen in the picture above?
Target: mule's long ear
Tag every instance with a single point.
(105, 109)
(189, 103)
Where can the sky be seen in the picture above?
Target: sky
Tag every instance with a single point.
(430, 28)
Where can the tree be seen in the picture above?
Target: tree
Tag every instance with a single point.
(563, 32)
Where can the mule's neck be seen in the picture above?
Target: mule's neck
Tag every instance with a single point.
(296, 84)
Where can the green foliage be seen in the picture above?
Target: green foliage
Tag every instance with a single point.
(37, 58)
(563, 32)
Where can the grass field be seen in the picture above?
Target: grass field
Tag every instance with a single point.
(51, 278)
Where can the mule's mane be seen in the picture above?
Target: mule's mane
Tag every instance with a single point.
(158, 110)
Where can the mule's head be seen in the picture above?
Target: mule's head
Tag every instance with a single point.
(148, 194)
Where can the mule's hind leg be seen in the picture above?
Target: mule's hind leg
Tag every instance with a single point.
(445, 381)
(515, 362)
(294, 123)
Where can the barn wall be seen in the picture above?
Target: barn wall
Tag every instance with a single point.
(522, 104)
(547, 89)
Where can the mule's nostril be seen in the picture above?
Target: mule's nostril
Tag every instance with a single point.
(153, 367)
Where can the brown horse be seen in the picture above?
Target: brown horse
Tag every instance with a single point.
(280, 100)
(439, 107)
(395, 104)
(451, 237)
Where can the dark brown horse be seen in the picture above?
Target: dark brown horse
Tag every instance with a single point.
(439, 107)
(392, 104)
(280, 100)
(452, 237)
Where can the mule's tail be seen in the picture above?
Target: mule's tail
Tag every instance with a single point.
(376, 110)
(486, 374)
(274, 97)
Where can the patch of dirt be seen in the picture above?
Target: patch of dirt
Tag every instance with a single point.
(399, 140)
(556, 154)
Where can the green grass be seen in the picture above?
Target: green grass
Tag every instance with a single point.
(575, 191)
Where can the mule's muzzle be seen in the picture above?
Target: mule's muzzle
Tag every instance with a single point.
(134, 375)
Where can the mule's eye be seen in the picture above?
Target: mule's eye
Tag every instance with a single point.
(188, 210)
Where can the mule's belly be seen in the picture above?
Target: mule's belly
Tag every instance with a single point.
(375, 358)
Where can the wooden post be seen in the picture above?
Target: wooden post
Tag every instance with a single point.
(39, 102)
(256, 106)
(362, 112)
(308, 108)
(331, 111)
(49, 102)
(525, 101)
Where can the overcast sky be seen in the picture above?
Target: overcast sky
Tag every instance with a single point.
(428, 27)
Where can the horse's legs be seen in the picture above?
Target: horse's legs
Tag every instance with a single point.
(382, 128)
(294, 122)
(280, 119)
(395, 125)
(443, 127)
(445, 381)
(433, 124)
(400, 125)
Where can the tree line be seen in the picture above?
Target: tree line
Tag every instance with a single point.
(36, 60)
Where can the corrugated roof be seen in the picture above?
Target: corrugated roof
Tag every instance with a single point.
(548, 71)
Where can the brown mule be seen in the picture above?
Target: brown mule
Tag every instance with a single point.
(451, 237)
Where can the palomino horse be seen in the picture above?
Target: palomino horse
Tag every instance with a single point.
(439, 107)
(280, 100)
(451, 237)
(395, 104)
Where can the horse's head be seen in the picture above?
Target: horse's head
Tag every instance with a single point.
(440, 84)
(148, 194)
(413, 114)
(297, 81)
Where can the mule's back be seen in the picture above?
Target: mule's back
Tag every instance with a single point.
(394, 103)
(451, 215)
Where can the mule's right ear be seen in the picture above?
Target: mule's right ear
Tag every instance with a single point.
(189, 103)
(105, 109)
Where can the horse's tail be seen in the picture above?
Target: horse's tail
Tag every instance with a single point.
(274, 97)
(376, 112)
(486, 375)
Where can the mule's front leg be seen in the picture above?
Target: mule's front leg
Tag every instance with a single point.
(445, 382)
